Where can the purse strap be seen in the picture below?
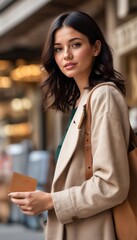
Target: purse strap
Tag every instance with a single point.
(87, 138)
(87, 141)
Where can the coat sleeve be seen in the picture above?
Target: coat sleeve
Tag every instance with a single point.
(109, 184)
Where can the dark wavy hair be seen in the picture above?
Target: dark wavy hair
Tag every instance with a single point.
(59, 91)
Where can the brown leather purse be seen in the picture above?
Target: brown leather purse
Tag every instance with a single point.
(125, 214)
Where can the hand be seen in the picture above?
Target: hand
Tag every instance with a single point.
(32, 203)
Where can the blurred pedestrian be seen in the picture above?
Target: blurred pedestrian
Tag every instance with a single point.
(77, 59)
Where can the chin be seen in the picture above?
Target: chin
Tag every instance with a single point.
(69, 75)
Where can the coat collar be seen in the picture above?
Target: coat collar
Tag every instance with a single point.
(71, 138)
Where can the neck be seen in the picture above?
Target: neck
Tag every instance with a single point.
(81, 86)
(82, 82)
(81, 89)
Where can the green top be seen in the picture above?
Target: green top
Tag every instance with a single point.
(60, 145)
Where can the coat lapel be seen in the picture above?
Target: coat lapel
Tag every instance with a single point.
(71, 139)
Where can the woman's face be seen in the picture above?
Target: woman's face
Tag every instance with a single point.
(73, 53)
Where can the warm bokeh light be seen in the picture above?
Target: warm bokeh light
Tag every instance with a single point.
(27, 104)
(18, 130)
(28, 73)
(5, 82)
(4, 65)
(18, 104)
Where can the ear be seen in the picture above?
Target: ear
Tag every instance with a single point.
(97, 48)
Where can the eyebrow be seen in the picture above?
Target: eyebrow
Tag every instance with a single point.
(71, 40)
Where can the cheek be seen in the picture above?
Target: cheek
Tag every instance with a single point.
(86, 55)
(86, 58)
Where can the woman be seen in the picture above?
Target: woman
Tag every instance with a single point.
(77, 59)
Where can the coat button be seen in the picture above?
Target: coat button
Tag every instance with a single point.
(75, 218)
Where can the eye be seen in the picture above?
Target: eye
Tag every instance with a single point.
(57, 49)
(76, 45)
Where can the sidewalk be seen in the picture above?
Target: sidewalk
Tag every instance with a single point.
(19, 232)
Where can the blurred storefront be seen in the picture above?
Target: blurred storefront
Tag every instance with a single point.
(19, 100)
(126, 48)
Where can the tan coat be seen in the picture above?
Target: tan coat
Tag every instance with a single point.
(82, 209)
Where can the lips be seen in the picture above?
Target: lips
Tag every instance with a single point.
(69, 66)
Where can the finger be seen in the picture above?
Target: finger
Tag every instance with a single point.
(18, 201)
(26, 210)
(17, 195)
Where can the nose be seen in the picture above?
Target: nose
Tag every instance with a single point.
(67, 54)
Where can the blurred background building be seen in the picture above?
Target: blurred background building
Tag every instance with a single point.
(23, 29)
